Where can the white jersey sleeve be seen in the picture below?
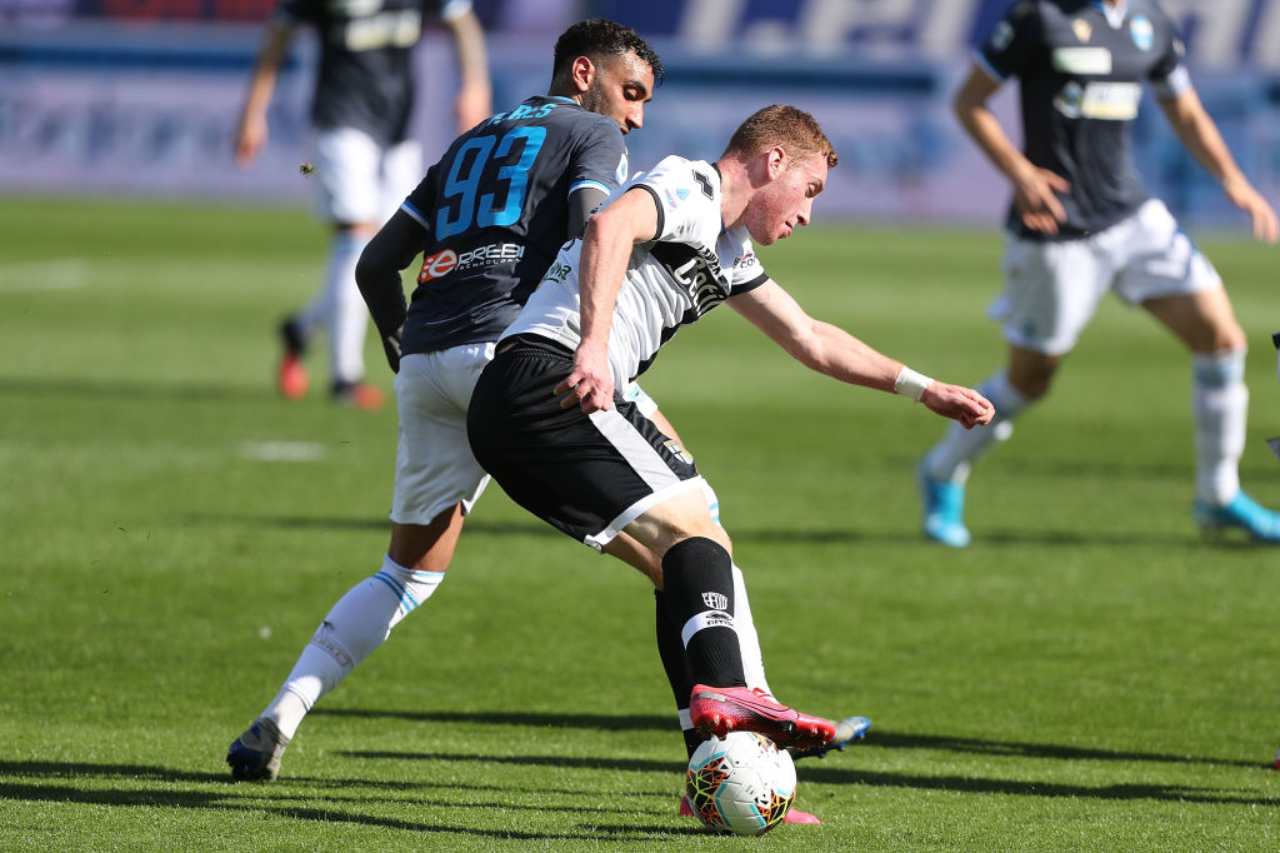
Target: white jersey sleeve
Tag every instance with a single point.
(747, 272)
(688, 199)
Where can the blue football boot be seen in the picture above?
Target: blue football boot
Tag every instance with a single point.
(943, 510)
(255, 755)
(849, 730)
(1242, 512)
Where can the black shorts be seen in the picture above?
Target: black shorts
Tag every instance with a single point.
(588, 475)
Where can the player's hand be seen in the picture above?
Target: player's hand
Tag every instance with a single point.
(961, 404)
(590, 385)
(473, 105)
(251, 135)
(1035, 198)
(1261, 214)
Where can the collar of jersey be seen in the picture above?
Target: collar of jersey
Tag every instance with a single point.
(564, 99)
(1115, 16)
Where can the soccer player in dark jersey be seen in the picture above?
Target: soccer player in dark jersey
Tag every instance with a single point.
(365, 160)
(1081, 224)
(488, 218)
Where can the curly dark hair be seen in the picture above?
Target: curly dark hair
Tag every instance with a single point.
(601, 37)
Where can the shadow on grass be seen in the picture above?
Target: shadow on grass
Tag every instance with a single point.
(841, 776)
(151, 773)
(979, 785)
(879, 738)
(256, 799)
(635, 765)
(596, 722)
(979, 746)
(792, 536)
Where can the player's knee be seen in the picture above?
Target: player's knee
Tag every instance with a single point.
(710, 531)
(1229, 338)
(1033, 383)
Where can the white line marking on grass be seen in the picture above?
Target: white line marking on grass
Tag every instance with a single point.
(282, 451)
(30, 276)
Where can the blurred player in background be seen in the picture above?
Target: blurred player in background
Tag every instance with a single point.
(1081, 225)
(365, 161)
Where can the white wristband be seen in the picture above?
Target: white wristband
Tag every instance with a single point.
(911, 384)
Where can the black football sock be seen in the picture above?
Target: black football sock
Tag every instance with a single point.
(671, 650)
(698, 592)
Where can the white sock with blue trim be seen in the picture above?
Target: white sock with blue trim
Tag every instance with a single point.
(951, 459)
(355, 626)
(339, 308)
(1220, 401)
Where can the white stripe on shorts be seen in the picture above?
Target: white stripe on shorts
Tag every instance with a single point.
(635, 448)
(645, 461)
(637, 509)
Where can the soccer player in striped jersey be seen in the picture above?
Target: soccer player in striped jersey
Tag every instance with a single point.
(670, 245)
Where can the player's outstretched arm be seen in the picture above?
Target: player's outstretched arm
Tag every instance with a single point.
(378, 276)
(251, 130)
(832, 351)
(1034, 189)
(1198, 132)
(610, 237)
(474, 102)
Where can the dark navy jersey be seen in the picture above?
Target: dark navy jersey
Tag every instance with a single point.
(496, 211)
(1081, 65)
(365, 79)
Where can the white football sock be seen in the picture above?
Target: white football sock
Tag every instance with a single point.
(348, 317)
(355, 626)
(748, 639)
(1221, 405)
(952, 458)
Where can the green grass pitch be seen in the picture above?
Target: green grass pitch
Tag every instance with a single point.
(1090, 675)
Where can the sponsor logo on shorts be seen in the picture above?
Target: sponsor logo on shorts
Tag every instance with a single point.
(673, 446)
(716, 600)
(444, 262)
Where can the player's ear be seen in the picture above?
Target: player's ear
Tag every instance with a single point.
(583, 73)
(777, 161)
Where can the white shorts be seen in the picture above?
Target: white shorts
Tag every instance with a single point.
(435, 468)
(434, 465)
(1052, 288)
(360, 180)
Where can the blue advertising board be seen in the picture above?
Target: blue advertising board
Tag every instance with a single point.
(152, 109)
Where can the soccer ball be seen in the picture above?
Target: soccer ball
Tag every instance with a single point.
(741, 783)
